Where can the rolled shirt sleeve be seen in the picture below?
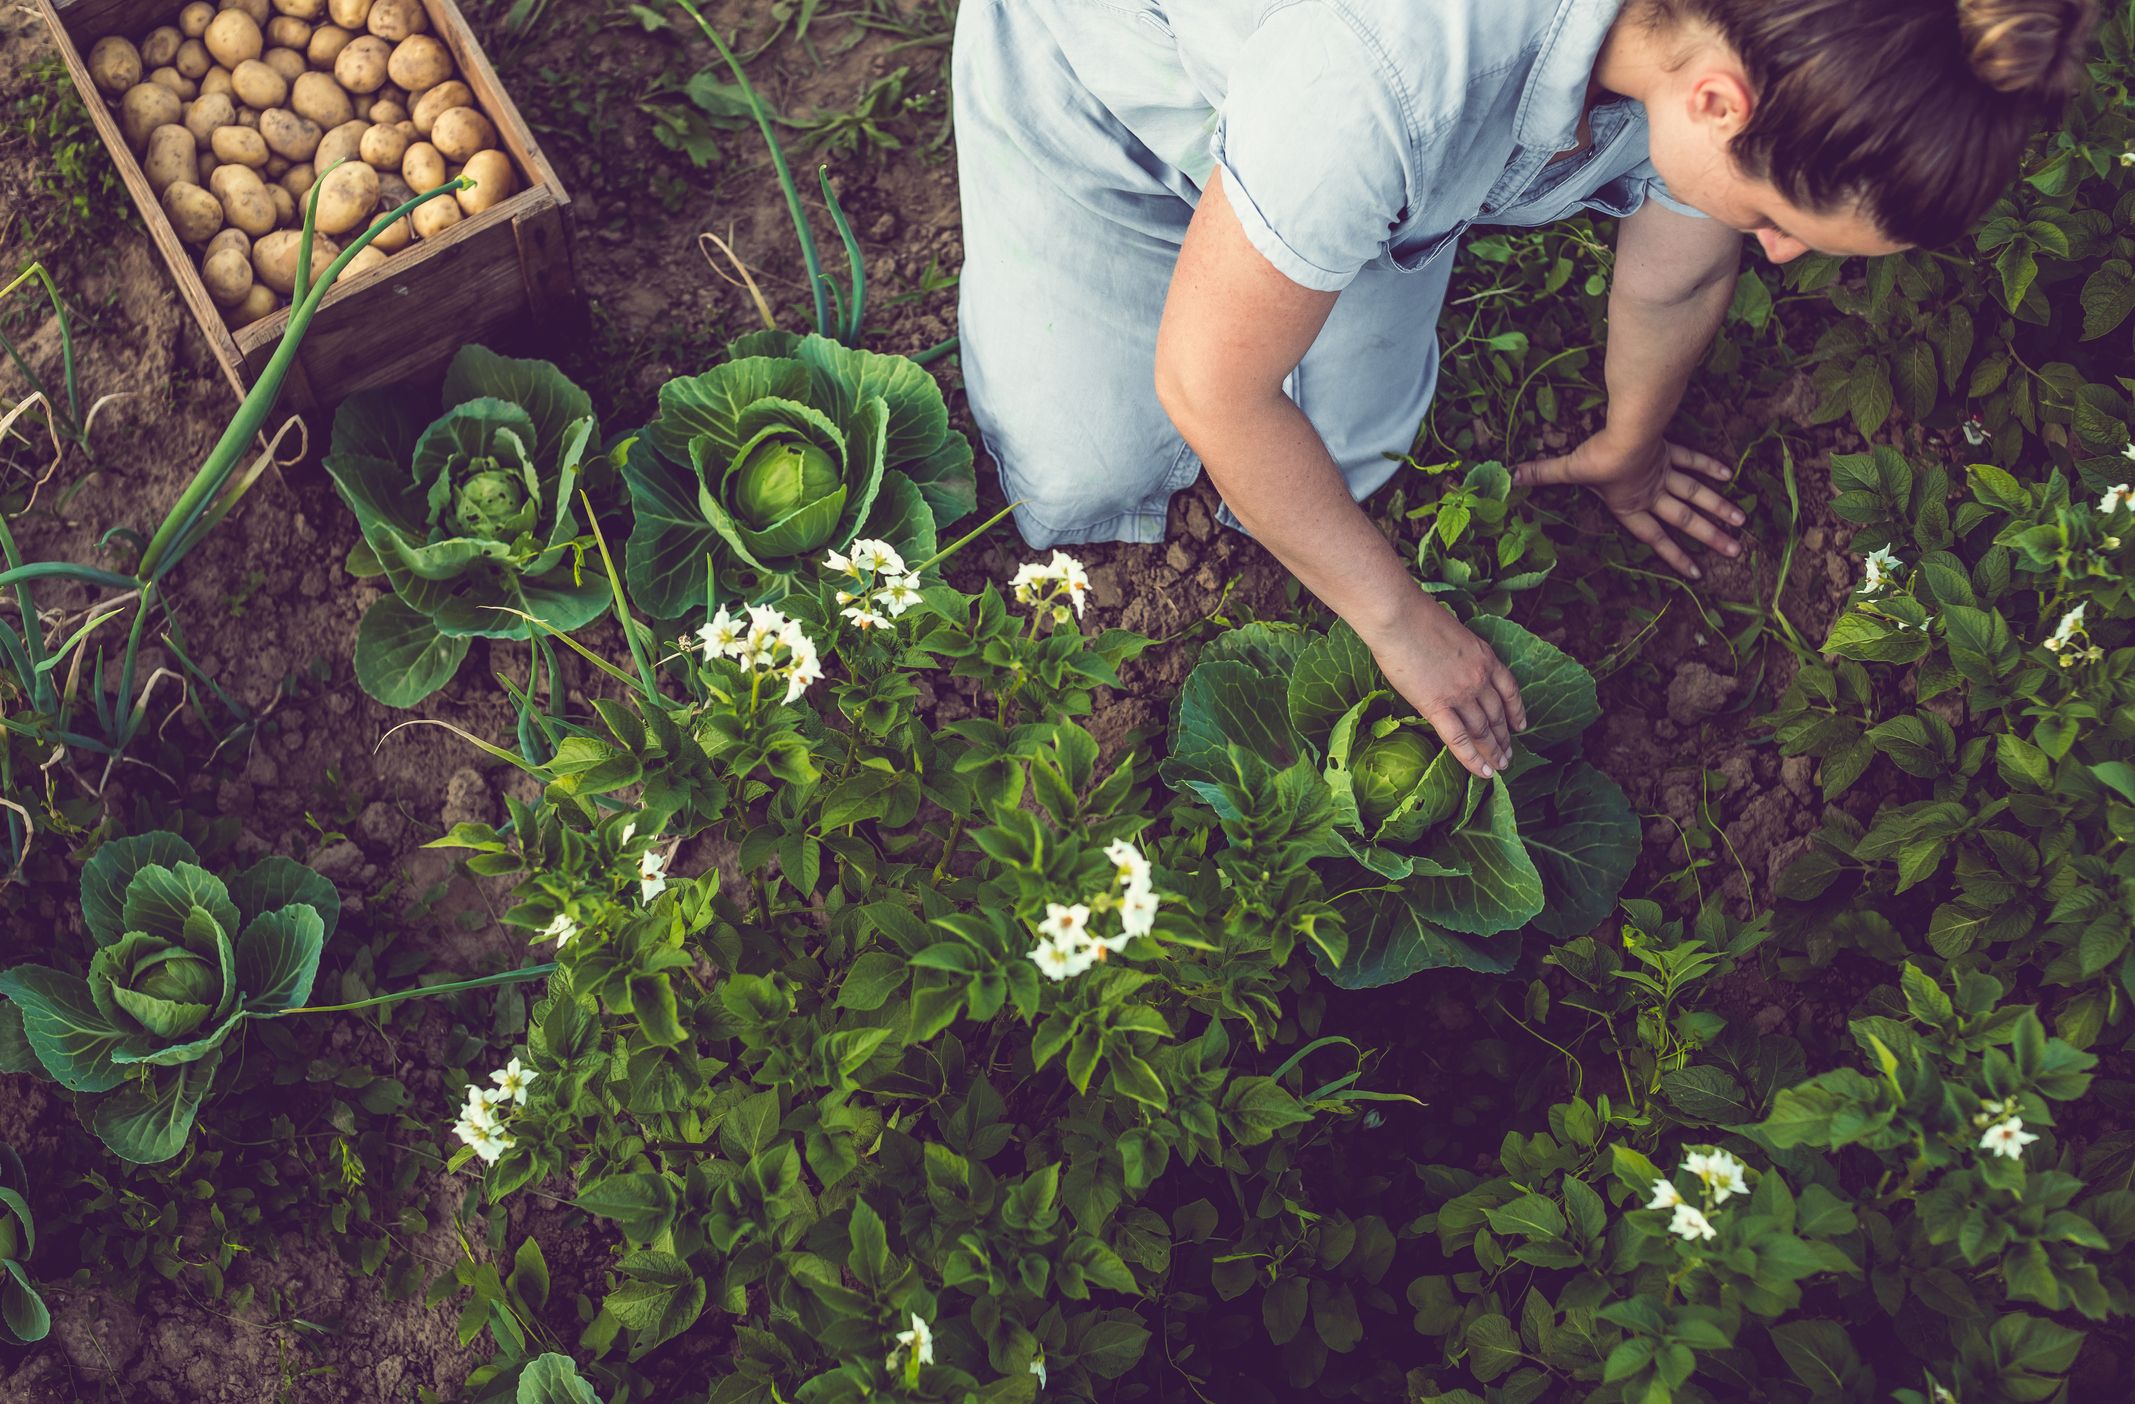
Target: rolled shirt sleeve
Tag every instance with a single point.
(1314, 144)
(1649, 182)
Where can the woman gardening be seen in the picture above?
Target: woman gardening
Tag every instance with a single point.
(1217, 233)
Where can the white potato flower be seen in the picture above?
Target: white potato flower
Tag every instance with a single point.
(560, 930)
(1720, 1172)
(1066, 924)
(2117, 496)
(1879, 566)
(864, 619)
(2007, 1138)
(919, 1341)
(512, 1081)
(899, 594)
(877, 557)
(652, 874)
(1690, 1223)
(1137, 909)
(721, 635)
(1665, 1195)
(1131, 867)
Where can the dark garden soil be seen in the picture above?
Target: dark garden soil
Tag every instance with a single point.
(268, 611)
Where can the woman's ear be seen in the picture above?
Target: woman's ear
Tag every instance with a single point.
(1720, 103)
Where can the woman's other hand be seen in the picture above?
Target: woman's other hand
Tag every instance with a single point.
(1651, 487)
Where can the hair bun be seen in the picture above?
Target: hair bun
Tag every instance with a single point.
(2032, 47)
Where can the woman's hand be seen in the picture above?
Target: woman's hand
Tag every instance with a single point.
(1650, 487)
(1455, 680)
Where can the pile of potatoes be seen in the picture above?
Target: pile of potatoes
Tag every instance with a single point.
(236, 108)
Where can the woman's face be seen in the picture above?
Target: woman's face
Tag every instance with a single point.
(1691, 122)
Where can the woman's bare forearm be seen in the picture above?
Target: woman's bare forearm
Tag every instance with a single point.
(1274, 471)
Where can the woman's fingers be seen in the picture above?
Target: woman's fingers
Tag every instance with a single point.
(1508, 691)
(1705, 463)
(1677, 513)
(1703, 498)
(1460, 738)
(1544, 472)
(1489, 711)
(1647, 528)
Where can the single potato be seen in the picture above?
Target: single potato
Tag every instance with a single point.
(258, 303)
(258, 9)
(194, 213)
(387, 113)
(115, 64)
(218, 81)
(395, 20)
(245, 202)
(177, 82)
(297, 180)
(233, 37)
(494, 180)
(349, 14)
(423, 168)
(285, 206)
(206, 167)
(368, 257)
(228, 275)
(419, 62)
(275, 169)
(229, 239)
(288, 134)
(194, 18)
(306, 10)
(347, 196)
(160, 47)
(318, 97)
(395, 236)
(327, 42)
(274, 258)
(247, 117)
(460, 133)
(194, 60)
(393, 92)
(289, 33)
(362, 66)
(146, 107)
(435, 218)
(439, 100)
(258, 85)
(173, 156)
(207, 112)
(240, 146)
(383, 147)
(343, 143)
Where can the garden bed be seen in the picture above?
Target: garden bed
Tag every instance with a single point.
(214, 1284)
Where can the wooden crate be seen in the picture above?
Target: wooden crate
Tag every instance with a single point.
(400, 321)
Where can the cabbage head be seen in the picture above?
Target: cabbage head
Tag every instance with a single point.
(181, 959)
(1427, 865)
(786, 450)
(472, 519)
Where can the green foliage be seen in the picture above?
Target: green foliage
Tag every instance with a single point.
(24, 1319)
(472, 520)
(789, 447)
(1427, 863)
(1848, 1234)
(181, 959)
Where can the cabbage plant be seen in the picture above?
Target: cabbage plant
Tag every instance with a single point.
(791, 447)
(472, 519)
(1430, 865)
(181, 959)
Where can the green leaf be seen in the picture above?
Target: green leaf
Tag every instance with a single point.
(665, 563)
(1555, 688)
(401, 658)
(1226, 703)
(1390, 941)
(750, 1126)
(109, 871)
(873, 978)
(1531, 1215)
(553, 1379)
(1820, 1355)
(549, 401)
(28, 1321)
(159, 900)
(1282, 1309)
(712, 404)
(147, 1119)
(275, 881)
(1583, 838)
(1703, 1093)
(71, 1037)
(1332, 674)
(642, 1203)
(1110, 1347)
(1334, 1316)
(1493, 1348)
(1502, 888)
(278, 957)
(1257, 1107)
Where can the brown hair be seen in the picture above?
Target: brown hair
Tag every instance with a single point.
(1917, 109)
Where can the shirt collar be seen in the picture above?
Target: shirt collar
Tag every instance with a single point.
(1555, 95)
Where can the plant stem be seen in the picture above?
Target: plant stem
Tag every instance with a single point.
(506, 977)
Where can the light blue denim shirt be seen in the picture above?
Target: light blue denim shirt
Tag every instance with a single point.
(1358, 139)
(1361, 132)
